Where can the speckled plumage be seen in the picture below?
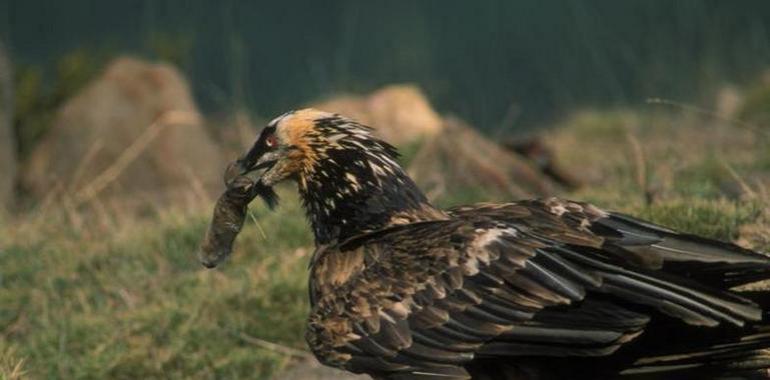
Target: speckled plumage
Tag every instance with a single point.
(537, 289)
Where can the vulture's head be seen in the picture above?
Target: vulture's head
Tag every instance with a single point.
(311, 145)
(345, 174)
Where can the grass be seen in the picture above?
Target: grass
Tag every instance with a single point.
(136, 303)
(129, 300)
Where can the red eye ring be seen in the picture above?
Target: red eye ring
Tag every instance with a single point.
(270, 141)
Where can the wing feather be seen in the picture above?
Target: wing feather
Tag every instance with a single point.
(533, 278)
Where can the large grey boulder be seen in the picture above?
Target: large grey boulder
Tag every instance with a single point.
(134, 134)
(462, 160)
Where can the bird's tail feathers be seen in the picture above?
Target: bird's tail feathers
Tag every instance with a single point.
(710, 261)
(744, 358)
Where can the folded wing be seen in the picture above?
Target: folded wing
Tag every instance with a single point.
(541, 278)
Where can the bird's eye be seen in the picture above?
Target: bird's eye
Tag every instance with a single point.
(271, 141)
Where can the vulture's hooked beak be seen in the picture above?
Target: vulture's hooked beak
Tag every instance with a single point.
(241, 168)
(256, 160)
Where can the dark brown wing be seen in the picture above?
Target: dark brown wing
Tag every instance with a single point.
(634, 241)
(541, 278)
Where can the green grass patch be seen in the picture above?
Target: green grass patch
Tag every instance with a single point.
(139, 305)
(719, 219)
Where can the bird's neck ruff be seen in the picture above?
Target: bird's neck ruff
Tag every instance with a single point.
(354, 185)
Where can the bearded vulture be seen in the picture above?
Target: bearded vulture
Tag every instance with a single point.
(526, 290)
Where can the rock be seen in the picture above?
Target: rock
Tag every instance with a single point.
(537, 151)
(7, 138)
(400, 114)
(312, 370)
(133, 133)
(461, 159)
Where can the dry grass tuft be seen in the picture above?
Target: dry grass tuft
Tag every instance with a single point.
(11, 366)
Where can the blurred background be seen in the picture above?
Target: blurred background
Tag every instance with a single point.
(117, 119)
(475, 61)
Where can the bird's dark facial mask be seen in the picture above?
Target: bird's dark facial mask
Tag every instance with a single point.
(262, 155)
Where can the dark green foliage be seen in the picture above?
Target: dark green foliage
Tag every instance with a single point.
(41, 89)
(473, 60)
